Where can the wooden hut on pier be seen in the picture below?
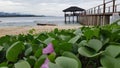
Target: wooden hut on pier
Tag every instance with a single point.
(72, 14)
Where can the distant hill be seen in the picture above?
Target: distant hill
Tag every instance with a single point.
(4, 14)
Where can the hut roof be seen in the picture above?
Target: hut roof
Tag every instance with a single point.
(73, 9)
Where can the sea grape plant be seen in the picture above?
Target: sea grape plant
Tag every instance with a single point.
(86, 47)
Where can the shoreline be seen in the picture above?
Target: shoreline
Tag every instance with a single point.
(25, 29)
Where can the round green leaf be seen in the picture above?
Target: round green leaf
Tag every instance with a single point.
(14, 50)
(52, 65)
(22, 64)
(64, 62)
(107, 61)
(71, 55)
(95, 44)
(113, 50)
(87, 52)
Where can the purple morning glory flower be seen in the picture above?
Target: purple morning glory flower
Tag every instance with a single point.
(45, 64)
(49, 49)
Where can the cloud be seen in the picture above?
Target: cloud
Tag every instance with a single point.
(45, 7)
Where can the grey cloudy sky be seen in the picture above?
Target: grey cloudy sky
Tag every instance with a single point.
(44, 7)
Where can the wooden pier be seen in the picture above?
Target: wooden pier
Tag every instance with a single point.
(72, 14)
(100, 15)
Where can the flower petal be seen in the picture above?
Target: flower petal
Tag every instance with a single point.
(48, 49)
(45, 64)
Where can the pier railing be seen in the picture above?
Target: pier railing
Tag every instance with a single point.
(100, 15)
(105, 8)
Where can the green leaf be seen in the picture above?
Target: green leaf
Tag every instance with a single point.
(117, 64)
(88, 52)
(71, 55)
(48, 40)
(101, 67)
(83, 43)
(88, 33)
(22, 64)
(56, 30)
(95, 44)
(3, 67)
(1, 48)
(74, 39)
(52, 65)
(14, 50)
(64, 46)
(31, 60)
(32, 31)
(63, 37)
(35, 47)
(38, 53)
(78, 32)
(3, 64)
(113, 50)
(65, 62)
(51, 57)
(28, 51)
(107, 61)
(42, 36)
(40, 61)
(96, 32)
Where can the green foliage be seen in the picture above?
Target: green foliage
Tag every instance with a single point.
(14, 50)
(86, 47)
(71, 55)
(40, 61)
(64, 62)
(1, 48)
(22, 64)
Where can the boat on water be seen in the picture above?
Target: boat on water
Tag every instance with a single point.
(44, 24)
(41, 24)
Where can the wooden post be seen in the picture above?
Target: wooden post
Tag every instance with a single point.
(95, 10)
(116, 8)
(104, 6)
(65, 17)
(107, 20)
(73, 17)
(69, 17)
(113, 6)
(77, 18)
(108, 9)
(104, 10)
(98, 9)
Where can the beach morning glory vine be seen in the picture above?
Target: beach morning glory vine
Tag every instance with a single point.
(49, 49)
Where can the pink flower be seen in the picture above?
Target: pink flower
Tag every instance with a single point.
(48, 49)
(45, 64)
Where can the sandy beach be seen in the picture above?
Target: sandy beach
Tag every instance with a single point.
(23, 30)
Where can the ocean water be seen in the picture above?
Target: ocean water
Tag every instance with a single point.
(31, 21)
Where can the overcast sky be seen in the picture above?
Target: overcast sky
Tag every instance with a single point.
(44, 7)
